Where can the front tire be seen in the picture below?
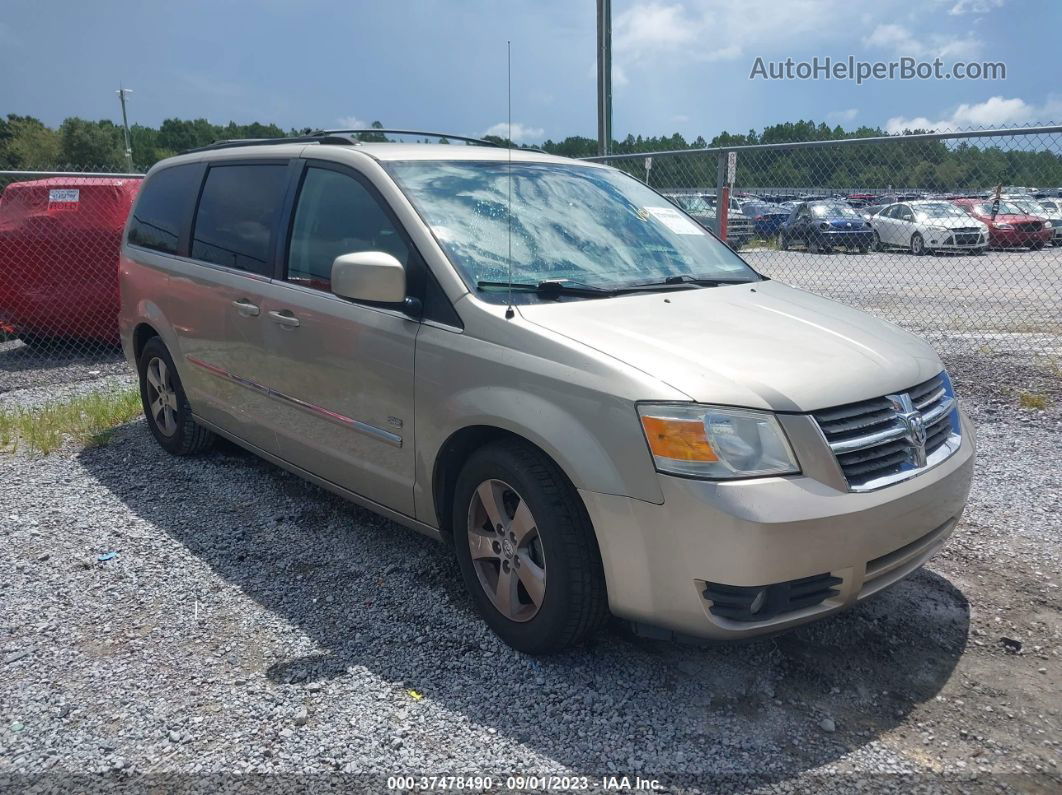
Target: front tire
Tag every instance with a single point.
(527, 550)
(918, 245)
(783, 242)
(165, 405)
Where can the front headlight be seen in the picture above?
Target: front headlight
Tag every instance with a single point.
(716, 443)
(1047, 225)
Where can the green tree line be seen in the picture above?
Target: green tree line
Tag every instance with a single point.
(27, 143)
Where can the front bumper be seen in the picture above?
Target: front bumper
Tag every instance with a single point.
(844, 238)
(659, 558)
(951, 241)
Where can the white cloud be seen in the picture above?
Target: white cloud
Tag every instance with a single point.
(838, 116)
(993, 112)
(522, 133)
(974, 6)
(645, 29)
(352, 123)
(900, 41)
(718, 30)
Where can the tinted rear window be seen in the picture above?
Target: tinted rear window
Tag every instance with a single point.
(163, 208)
(237, 216)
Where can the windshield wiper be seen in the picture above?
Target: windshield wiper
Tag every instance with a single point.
(551, 288)
(679, 282)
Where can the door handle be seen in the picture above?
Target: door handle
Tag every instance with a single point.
(246, 308)
(284, 318)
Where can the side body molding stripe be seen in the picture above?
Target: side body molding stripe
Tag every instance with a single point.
(347, 422)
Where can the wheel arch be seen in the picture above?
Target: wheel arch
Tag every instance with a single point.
(453, 454)
(141, 334)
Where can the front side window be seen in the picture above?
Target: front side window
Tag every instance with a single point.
(586, 224)
(163, 207)
(237, 214)
(336, 215)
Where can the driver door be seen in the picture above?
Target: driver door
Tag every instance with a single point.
(342, 370)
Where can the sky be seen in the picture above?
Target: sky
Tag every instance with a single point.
(679, 66)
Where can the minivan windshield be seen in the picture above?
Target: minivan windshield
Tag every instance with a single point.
(592, 226)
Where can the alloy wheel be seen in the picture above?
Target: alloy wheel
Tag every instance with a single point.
(162, 397)
(507, 552)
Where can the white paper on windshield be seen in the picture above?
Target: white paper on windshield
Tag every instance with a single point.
(674, 220)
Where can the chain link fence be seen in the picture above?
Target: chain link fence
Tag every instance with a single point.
(956, 236)
(60, 235)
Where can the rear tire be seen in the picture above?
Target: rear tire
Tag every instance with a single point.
(545, 526)
(783, 242)
(165, 405)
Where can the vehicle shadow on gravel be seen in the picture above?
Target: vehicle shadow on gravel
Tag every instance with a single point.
(370, 594)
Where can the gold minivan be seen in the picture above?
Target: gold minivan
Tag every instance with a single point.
(547, 364)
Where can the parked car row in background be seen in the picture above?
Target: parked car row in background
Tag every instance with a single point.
(919, 222)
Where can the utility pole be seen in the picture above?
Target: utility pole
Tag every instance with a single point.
(121, 92)
(604, 76)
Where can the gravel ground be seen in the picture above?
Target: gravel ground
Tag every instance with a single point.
(22, 367)
(252, 624)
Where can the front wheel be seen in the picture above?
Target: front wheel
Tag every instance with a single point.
(918, 245)
(783, 242)
(875, 244)
(1036, 246)
(165, 405)
(527, 550)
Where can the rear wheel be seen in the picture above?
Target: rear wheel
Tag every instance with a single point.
(783, 242)
(918, 245)
(526, 549)
(165, 405)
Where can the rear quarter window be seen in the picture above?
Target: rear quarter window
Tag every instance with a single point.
(163, 208)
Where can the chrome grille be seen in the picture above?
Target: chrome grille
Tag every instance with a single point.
(891, 438)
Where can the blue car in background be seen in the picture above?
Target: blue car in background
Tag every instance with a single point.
(822, 226)
(766, 218)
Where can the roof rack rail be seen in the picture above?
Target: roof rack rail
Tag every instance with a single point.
(331, 137)
(480, 141)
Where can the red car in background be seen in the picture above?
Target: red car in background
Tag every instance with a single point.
(1009, 227)
(59, 244)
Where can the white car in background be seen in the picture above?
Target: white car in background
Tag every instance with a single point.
(1048, 208)
(928, 226)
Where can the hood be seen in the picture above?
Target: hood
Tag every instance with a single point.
(1006, 218)
(763, 345)
(952, 223)
(848, 223)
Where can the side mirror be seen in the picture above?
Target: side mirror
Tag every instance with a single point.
(369, 276)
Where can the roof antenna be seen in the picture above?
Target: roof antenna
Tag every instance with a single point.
(509, 312)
